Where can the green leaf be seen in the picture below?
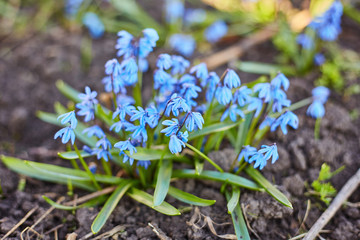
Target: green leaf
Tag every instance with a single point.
(162, 181)
(144, 154)
(109, 206)
(234, 200)
(269, 188)
(68, 91)
(72, 155)
(23, 167)
(52, 119)
(148, 200)
(238, 221)
(264, 68)
(91, 203)
(218, 127)
(217, 176)
(189, 198)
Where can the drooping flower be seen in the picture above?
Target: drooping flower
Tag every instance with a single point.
(139, 132)
(280, 81)
(179, 64)
(216, 31)
(122, 110)
(316, 110)
(139, 114)
(94, 131)
(173, 127)
(305, 41)
(176, 105)
(233, 111)
(194, 120)
(66, 134)
(200, 71)
(86, 110)
(144, 163)
(264, 90)
(223, 95)
(69, 117)
(231, 79)
(242, 95)
(320, 94)
(89, 97)
(174, 10)
(164, 61)
(126, 146)
(93, 24)
(270, 152)
(129, 71)
(288, 118)
(124, 45)
(102, 154)
(212, 81)
(327, 26)
(319, 59)
(182, 43)
(122, 124)
(259, 159)
(255, 104)
(175, 144)
(152, 116)
(246, 153)
(268, 121)
(104, 143)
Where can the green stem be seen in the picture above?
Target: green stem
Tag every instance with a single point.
(205, 157)
(85, 166)
(74, 164)
(106, 167)
(242, 166)
(317, 128)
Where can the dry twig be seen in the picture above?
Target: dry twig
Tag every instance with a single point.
(350, 186)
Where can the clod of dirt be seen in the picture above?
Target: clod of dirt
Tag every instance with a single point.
(223, 158)
(145, 233)
(9, 180)
(346, 230)
(282, 164)
(300, 159)
(294, 184)
(85, 217)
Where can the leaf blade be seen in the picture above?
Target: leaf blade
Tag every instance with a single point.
(189, 198)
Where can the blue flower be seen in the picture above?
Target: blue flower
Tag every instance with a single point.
(269, 152)
(114, 84)
(129, 71)
(72, 7)
(264, 90)
(89, 97)
(144, 163)
(92, 167)
(69, 117)
(179, 64)
(104, 143)
(194, 120)
(163, 81)
(102, 153)
(305, 41)
(246, 153)
(176, 104)
(173, 127)
(164, 61)
(113, 67)
(319, 59)
(216, 31)
(200, 71)
(255, 104)
(122, 110)
(182, 43)
(175, 144)
(327, 26)
(174, 10)
(147, 42)
(152, 116)
(86, 110)
(193, 16)
(143, 64)
(124, 44)
(242, 95)
(126, 146)
(288, 118)
(268, 121)
(316, 110)
(233, 111)
(183, 136)
(94, 24)
(139, 132)
(122, 124)
(223, 95)
(259, 159)
(231, 79)
(280, 81)
(320, 94)
(212, 82)
(189, 91)
(280, 101)
(66, 134)
(139, 114)
(151, 36)
(94, 131)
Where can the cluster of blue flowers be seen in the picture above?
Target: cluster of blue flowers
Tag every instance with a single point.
(327, 26)
(175, 103)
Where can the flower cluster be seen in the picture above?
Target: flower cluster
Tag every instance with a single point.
(175, 110)
(327, 26)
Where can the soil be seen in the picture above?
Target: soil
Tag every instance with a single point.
(28, 74)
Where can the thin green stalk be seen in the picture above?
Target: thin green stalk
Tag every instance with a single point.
(317, 128)
(205, 157)
(242, 166)
(142, 176)
(85, 166)
(106, 167)
(74, 164)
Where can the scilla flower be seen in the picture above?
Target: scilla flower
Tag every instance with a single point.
(288, 118)
(126, 146)
(223, 95)
(94, 24)
(184, 44)
(216, 31)
(231, 79)
(67, 133)
(194, 120)
(176, 144)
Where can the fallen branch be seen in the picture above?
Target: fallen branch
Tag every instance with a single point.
(341, 197)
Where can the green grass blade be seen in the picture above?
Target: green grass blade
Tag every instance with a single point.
(60, 206)
(23, 167)
(234, 200)
(217, 176)
(189, 198)
(109, 206)
(218, 127)
(148, 200)
(238, 221)
(162, 181)
(269, 188)
(68, 91)
(264, 68)
(151, 154)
